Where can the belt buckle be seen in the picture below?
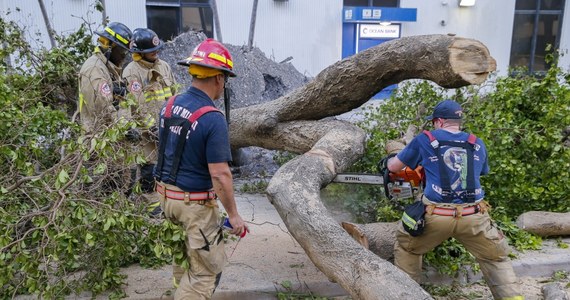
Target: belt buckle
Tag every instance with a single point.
(186, 198)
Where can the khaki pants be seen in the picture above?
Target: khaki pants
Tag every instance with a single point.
(479, 236)
(206, 259)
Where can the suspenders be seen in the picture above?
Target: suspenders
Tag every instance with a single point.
(185, 124)
(447, 193)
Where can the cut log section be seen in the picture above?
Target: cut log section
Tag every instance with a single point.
(544, 223)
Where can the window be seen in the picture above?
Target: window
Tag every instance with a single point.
(537, 24)
(169, 18)
(378, 3)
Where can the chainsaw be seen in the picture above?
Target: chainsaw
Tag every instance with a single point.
(405, 184)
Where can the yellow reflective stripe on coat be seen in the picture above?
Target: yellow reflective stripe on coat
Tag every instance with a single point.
(149, 121)
(81, 100)
(159, 95)
(409, 221)
(513, 298)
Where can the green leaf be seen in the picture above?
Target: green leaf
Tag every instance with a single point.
(63, 177)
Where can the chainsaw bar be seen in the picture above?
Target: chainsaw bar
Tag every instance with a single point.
(359, 178)
(397, 190)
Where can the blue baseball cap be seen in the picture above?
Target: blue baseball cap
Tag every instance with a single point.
(446, 109)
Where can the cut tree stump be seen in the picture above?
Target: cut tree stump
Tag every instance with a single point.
(376, 237)
(544, 223)
(296, 122)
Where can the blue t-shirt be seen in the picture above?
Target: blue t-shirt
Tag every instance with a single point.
(206, 142)
(420, 152)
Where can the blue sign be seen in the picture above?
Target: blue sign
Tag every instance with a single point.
(366, 26)
(366, 14)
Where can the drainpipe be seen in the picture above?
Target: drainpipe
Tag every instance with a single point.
(252, 25)
(103, 12)
(214, 8)
(48, 25)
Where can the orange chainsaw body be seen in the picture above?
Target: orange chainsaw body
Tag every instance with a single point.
(413, 176)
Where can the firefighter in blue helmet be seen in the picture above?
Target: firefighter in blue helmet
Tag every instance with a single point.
(453, 202)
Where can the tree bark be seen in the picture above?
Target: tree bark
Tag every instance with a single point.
(545, 223)
(295, 123)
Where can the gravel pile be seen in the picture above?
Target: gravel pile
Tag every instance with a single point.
(259, 79)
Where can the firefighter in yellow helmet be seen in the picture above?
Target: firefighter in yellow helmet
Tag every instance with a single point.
(150, 82)
(101, 87)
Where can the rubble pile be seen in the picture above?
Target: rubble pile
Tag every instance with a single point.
(259, 79)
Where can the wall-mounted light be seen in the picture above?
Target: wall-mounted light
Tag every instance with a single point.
(385, 23)
(466, 2)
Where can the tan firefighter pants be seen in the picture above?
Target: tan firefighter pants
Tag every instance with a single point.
(479, 236)
(206, 263)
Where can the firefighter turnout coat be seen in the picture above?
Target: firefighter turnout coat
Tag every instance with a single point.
(150, 84)
(96, 79)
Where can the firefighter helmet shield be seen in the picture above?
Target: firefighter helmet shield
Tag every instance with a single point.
(211, 54)
(145, 41)
(117, 33)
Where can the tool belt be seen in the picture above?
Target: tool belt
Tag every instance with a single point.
(185, 196)
(457, 211)
(453, 212)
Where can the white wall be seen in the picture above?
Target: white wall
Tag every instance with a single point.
(489, 21)
(564, 62)
(309, 31)
(67, 15)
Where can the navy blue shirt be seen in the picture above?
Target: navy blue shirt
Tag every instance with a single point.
(420, 152)
(206, 142)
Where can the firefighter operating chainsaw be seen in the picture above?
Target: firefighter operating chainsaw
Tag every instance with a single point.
(405, 184)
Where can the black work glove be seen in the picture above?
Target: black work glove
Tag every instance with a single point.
(119, 92)
(133, 135)
(383, 163)
(147, 178)
(119, 88)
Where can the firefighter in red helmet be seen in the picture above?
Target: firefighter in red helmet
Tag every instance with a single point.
(192, 171)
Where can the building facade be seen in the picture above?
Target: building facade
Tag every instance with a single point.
(312, 34)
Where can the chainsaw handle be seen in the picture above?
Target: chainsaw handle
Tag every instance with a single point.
(386, 178)
(382, 165)
(383, 169)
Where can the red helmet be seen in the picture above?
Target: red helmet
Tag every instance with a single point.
(211, 54)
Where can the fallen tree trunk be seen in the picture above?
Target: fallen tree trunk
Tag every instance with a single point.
(545, 223)
(294, 123)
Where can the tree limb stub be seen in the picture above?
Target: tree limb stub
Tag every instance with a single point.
(295, 123)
